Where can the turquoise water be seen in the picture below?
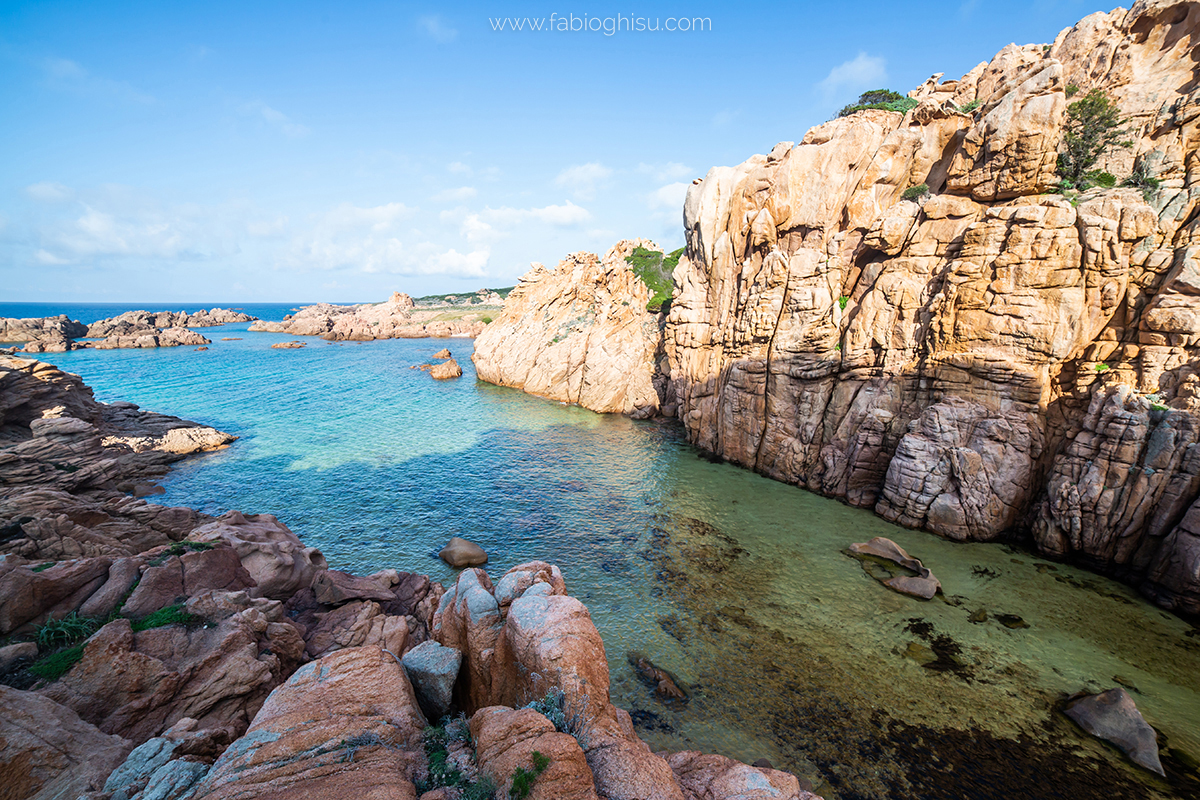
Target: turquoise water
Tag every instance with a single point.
(737, 584)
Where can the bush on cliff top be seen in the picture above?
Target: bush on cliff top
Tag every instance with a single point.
(1093, 128)
(654, 269)
(884, 99)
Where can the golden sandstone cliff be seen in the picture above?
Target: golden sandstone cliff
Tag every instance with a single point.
(990, 359)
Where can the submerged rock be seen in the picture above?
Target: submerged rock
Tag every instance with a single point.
(295, 344)
(923, 585)
(461, 553)
(1114, 717)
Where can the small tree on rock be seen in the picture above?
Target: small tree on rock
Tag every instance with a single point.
(1093, 127)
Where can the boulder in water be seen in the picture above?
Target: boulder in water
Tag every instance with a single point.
(1114, 717)
(923, 585)
(461, 553)
(443, 353)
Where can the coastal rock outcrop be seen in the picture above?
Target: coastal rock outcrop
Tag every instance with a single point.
(396, 318)
(579, 333)
(986, 360)
(27, 330)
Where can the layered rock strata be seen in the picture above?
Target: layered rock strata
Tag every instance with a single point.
(397, 318)
(578, 333)
(986, 360)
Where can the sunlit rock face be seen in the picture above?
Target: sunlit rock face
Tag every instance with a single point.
(986, 359)
(578, 333)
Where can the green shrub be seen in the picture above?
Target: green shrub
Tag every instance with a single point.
(524, 779)
(1092, 128)
(884, 99)
(1141, 178)
(486, 320)
(969, 108)
(568, 716)
(70, 629)
(1101, 178)
(171, 615)
(915, 192)
(441, 773)
(55, 665)
(842, 301)
(1071, 90)
(1102, 367)
(654, 269)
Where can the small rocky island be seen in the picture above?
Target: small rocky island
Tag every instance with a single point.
(131, 329)
(154, 652)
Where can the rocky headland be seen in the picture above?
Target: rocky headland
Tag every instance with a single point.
(130, 329)
(579, 332)
(906, 312)
(396, 318)
(153, 652)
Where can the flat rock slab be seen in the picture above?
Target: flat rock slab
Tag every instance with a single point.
(922, 585)
(1114, 717)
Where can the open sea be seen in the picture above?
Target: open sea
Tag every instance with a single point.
(737, 584)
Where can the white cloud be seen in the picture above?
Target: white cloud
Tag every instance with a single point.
(44, 257)
(855, 76)
(582, 179)
(267, 227)
(49, 192)
(565, 215)
(670, 196)
(452, 262)
(455, 195)
(437, 29)
(376, 218)
(278, 119)
(459, 168)
(366, 238)
(66, 75)
(671, 171)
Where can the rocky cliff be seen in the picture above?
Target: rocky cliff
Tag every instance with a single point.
(579, 333)
(986, 360)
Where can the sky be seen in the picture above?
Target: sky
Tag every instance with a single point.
(300, 152)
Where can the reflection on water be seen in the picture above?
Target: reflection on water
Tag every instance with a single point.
(736, 584)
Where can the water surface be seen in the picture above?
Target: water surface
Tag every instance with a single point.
(737, 584)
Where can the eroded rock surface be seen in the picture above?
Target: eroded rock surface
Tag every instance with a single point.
(579, 333)
(987, 360)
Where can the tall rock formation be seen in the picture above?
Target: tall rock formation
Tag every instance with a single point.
(986, 360)
(579, 333)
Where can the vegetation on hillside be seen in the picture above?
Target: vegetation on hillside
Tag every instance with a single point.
(458, 298)
(654, 269)
(884, 99)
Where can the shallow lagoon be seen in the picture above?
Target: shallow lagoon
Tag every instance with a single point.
(735, 583)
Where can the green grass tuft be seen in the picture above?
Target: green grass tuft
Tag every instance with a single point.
(43, 567)
(70, 629)
(524, 779)
(916, 192)
(171, 615)
(55, 665)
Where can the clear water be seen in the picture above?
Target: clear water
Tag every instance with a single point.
(87, 313)
(735, 583)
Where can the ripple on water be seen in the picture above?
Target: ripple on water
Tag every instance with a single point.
(737, 584)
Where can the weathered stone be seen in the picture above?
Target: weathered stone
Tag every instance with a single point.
(432, 669)
(1114, 717)
(923, 585)
(354, 703)
(461, 553)
(578, 333)
(49, 752)
(506, 740)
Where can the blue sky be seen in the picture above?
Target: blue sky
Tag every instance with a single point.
(258, 151)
